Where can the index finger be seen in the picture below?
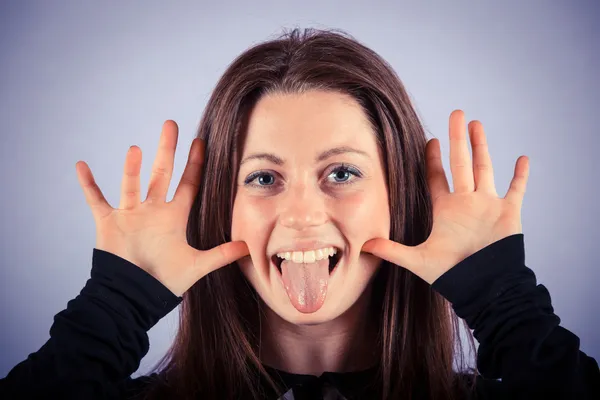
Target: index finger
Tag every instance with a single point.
(460, 160)
(190, 180)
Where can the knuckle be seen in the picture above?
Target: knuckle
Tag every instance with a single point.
(161, 171)
(130, 194)
(189, 181)
(482, 167)
(131, 175)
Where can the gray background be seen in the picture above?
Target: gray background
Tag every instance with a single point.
(86, 81)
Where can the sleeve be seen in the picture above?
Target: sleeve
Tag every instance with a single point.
(523, 352)
(97, 342)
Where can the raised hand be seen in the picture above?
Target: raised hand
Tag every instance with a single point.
(467, 220)
(152, 234)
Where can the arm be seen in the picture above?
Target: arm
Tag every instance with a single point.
(520, 340)
(97, 342)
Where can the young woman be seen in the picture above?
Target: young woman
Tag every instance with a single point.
(317, 252)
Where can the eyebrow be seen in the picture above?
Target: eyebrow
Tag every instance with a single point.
(323, 156)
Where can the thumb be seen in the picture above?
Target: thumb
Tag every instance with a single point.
(408, 257)
(222, 255)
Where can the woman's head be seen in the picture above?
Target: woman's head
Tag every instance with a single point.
(310, 177)
(271, 122)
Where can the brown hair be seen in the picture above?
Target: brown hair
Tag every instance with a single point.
(215, 351)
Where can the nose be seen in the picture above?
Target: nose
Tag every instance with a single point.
(302, 208)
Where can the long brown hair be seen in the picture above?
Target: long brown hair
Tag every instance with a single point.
(214, 354)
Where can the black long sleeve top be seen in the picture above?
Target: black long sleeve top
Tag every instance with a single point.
(98, 341)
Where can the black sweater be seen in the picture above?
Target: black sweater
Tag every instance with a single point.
(97, 342)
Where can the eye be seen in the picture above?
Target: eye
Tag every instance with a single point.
(265, 179)
(262, 177)
(344, 175)
(340, 175)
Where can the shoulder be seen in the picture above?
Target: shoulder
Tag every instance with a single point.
(141, 387)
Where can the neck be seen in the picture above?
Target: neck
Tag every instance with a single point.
(345, 344)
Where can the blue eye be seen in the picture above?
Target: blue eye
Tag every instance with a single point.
(342, 175)
(260, 177)
(268, 181)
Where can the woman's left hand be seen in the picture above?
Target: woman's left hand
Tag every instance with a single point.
(467, 220)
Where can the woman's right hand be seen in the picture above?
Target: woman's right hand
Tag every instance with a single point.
(152, 234)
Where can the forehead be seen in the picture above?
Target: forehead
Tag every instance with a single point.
(307, 121)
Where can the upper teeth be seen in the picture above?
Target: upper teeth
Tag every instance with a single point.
(308, 256)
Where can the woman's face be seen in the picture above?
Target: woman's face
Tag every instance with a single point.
(310, 178)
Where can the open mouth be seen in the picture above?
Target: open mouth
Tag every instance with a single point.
(333, 260)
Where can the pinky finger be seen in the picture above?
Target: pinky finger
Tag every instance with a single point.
(93, 195)
(516, 192)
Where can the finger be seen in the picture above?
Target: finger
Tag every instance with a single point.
(93, 195)
(162, 169)
(482, 162)
(460, 160)
(405, 256)
(518, 185)
(436, 176)
(130, 184)
(222, 255)
(190, 180)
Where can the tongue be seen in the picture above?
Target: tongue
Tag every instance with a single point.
(306, 284)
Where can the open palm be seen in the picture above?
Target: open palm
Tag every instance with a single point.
(466, 220)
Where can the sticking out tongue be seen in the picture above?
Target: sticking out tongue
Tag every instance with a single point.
(306, 284)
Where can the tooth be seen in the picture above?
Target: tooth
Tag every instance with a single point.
(297, 256)
(309, 256)
(319, 255)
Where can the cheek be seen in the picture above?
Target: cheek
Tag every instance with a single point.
(364, 214)
(251, 222)
(250, 219)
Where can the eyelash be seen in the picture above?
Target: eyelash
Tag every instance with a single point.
(342, 167)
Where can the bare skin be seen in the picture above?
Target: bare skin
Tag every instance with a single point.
(300, 199)
(151, 234)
